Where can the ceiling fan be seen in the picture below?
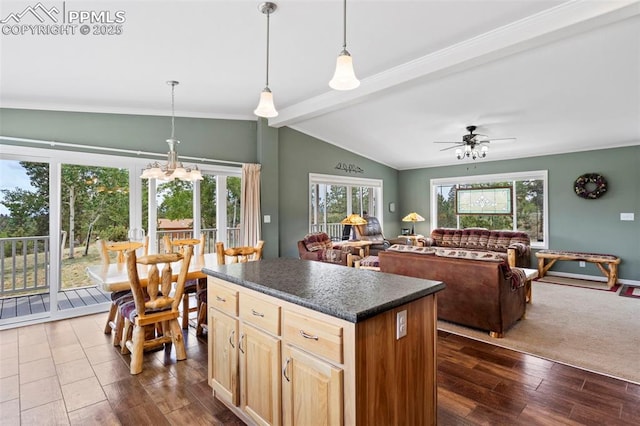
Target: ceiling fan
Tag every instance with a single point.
(469, 144)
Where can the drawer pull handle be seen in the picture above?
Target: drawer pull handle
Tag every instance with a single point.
(308, 336)
(220, 299)
(240, 342)
(233, 332)
(256, 313)
(284, 369)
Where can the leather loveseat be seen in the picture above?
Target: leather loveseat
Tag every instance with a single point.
(482, 290)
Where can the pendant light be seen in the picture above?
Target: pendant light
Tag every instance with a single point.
(266, 108)
(173, 169)
(344, 77)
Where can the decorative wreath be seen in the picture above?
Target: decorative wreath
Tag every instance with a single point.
(580, 186)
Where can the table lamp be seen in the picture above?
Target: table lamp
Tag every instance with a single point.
(413, 217)
(353, 219)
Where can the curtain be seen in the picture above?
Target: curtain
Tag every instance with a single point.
(250, 231)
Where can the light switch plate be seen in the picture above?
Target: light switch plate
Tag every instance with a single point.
(267, 218)
(627, 216)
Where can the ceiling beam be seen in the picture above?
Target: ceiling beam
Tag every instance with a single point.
(553, 24)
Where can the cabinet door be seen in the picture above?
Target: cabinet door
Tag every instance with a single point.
(223, 356)
(260, 387)
(312, 391)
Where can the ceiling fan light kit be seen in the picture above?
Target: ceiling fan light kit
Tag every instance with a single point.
(468, 148)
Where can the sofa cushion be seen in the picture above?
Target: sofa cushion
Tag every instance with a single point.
(316, 241)
(330, 255)
(471, 254)
(412, 249)
(501, 240)
(370, 262)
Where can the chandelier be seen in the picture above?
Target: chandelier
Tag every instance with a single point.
(173, 169)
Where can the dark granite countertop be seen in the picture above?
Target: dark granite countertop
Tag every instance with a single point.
(347, 293)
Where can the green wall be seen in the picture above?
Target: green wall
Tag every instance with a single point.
(574, 223)
(288, 156)
(301, 154)
(207, 138)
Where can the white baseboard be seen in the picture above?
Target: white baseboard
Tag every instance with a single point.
(591, 277)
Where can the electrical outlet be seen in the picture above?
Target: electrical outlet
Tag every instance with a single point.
(583, 264)
(401, 324)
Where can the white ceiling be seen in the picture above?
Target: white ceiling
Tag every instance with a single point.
(560, 76)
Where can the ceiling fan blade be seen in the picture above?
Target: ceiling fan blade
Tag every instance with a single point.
(501, 139)
(451, 147)
(459, 143)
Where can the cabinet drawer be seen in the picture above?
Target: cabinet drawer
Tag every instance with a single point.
(260, 313)
(223, 299)
(313, 335)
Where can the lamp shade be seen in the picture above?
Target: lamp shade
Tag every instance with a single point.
(354, 219)
(344, 77)
(266, 108)
(413, 217)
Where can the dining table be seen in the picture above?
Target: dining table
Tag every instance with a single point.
(114, 276)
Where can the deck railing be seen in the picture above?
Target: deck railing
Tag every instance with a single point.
(24, 266)
(24, 261)
(333, 229)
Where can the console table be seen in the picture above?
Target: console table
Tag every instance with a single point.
(606, 263)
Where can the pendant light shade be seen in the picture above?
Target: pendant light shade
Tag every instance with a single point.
(265, 107)
(344, 77)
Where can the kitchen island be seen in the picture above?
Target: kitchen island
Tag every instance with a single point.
(301, 342)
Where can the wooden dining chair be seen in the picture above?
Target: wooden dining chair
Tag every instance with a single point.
(237, 255)
(153, 306)
(191, 286)
(115, 323)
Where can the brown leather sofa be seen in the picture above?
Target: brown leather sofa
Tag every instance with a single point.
(479, 294)
(470, 243)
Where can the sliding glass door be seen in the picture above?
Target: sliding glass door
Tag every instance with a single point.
(24, 238)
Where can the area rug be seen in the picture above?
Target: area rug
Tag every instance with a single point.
(593, 330)
(629, 291)
(576, 282)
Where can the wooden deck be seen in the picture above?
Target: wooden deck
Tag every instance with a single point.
(12, 307)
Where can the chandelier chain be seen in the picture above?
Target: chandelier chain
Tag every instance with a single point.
(173, 110)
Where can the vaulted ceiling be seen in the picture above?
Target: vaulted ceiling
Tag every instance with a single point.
(559, 76)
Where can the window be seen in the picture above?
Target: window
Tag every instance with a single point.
(55, 203)
(332, 198)
(479, 201)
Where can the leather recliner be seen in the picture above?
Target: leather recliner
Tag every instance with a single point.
(372, 231)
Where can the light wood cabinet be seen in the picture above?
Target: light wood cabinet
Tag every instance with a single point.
(260, 375)
(293, 365)
(312, 390)
(223, 356)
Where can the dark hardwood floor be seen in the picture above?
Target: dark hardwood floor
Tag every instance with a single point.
(67, 372)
